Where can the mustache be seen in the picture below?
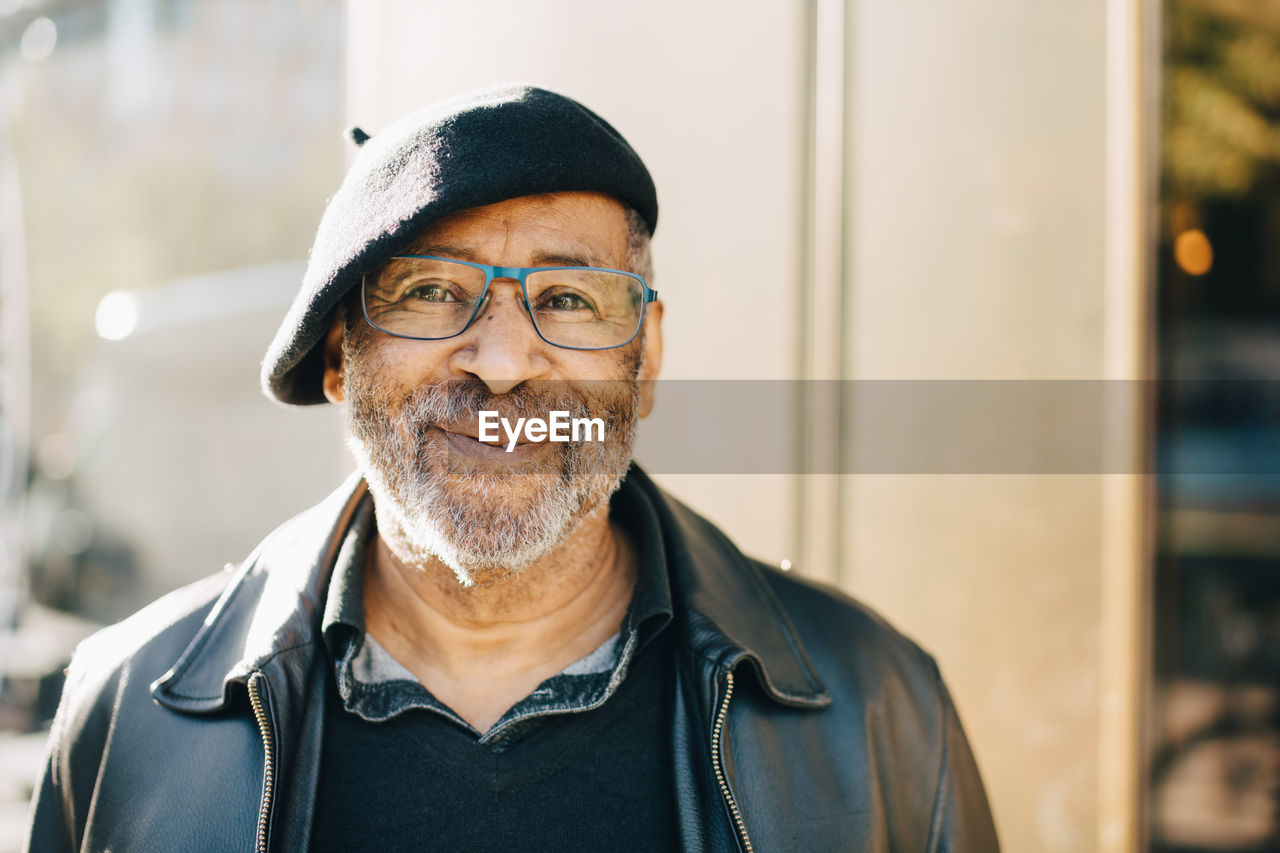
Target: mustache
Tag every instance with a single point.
(460, 401)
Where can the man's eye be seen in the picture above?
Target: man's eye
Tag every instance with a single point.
(430, 291)
(566, 301)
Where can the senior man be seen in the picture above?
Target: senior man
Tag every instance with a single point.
(487, 642)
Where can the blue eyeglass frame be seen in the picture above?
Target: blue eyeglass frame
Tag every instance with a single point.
(518, 274)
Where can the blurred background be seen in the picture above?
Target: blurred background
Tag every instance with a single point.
(995, 190)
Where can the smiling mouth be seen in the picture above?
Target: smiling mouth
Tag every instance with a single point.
(460, 434)
(472, 447)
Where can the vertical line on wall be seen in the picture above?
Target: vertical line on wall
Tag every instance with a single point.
(842, 316)
(818, 409)
(1126, 496)
(807, 105)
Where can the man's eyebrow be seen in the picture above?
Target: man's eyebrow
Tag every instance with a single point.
(445, 250)
(567, 259)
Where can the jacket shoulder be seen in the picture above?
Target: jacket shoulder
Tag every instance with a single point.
(155, 638)
(888, 691)
(110, 713)
(831, 614)
(855, 650)
(111, 668)
(842, 639)
(157, 632)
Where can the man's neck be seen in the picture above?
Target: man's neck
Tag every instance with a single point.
(480, 649)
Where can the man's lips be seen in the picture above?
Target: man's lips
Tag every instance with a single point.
(469, 445)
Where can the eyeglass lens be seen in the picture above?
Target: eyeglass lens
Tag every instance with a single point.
(580, 308)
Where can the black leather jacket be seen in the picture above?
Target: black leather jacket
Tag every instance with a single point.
(802, 722)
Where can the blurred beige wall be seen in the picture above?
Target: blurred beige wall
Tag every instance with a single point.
(912, 190)
(995, 232)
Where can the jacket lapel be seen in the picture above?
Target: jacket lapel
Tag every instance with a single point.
(726, 614)
(268, 621)
(730, 614)
(271, 608)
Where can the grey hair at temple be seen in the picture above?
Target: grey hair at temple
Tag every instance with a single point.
(639, 251)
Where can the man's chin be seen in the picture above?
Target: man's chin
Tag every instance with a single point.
(482, 526)
(482, 512)
(487, 550)
(488, 528)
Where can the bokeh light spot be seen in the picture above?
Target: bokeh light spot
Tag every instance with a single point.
(117, 316)
(1193, 252)
(39, 39)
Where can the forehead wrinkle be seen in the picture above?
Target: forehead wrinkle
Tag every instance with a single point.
(551, 231)
(559, 251)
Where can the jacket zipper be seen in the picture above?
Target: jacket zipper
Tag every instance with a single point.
(268, 760)
(717, 744)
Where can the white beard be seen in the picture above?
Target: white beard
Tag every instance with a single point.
(485, 525)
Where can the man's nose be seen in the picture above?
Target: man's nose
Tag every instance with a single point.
(500, 347)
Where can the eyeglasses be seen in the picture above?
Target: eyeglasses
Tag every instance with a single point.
(429, 298)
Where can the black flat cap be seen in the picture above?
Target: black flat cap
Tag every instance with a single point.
(476, 149)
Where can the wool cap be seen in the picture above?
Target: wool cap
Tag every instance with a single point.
(469, 151)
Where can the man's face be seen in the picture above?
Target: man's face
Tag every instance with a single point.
(412, 406)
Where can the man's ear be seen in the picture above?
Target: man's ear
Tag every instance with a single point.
(333, 384)
(652, 356)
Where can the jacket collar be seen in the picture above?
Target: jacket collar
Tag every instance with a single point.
(273, 607)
